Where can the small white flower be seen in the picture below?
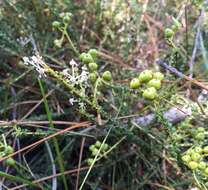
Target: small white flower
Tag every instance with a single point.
(37, 62)
(26, 60)
(23, 40)
(73, 79)
(73, 63)
(203, 97)
(81, 105)
(65, 72)
(83, 76)
(84, 68)
(72, 101)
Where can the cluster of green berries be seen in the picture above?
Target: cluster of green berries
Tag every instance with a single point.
(65, 21)
(169, 32)
(193, 158)
(151, 80)
(5, 150)
(198, 133)
(94, 150)
(89, 59)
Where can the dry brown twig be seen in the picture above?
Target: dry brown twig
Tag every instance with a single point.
(83, 124)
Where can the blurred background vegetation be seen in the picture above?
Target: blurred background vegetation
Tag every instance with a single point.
(129, 34)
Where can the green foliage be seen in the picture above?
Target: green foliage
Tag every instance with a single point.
(96, 60)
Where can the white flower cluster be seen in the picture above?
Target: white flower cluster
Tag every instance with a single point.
(23, 40)
(74, 75)
(72, 101)
(37, 62)
(78, 77)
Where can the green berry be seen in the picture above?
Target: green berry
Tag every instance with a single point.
(169, 33)
(135, 83)
(107, 76)
(82, 55)
(202, 165)
(92, 147)
(98, 144)
(158, 76)
(10, 162)
(95, 151)
(61, 15)
(67, 18)
(93, 53)
(154, 83)
(8, 150)
(57, 43)
(198, 149)
(68, 14)
(176, 25)
(145, 76)
(56, 24)
(183, 125)
(190, 152)
(105, 147)
(206, 171)
(200, 136)
(177, 137)
(90, 161)
(186, 158)
(87, 58)
(205, 149)
(200, 129)
(174, 28)
(92, 77)
(150, 93)
(93, 66)
(193, 165)
(195, 156)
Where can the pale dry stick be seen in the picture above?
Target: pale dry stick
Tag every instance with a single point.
(83, 132)
(154, 22)
(191, 62)
(27, 166)
(19, 122)
(80, 160)
(54, 180)
(55, 130)
(106, 55)
(83, 29)
(36, 124)
(180, 74)
(19, 104)
(4, 186)
(164, 187)
(94, 34)
(83, 124)
(115, 59)
(48, 94)
(52, 176)
(144, 8)
(153, 40)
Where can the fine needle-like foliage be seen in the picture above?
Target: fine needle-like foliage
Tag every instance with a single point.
(98, 95)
